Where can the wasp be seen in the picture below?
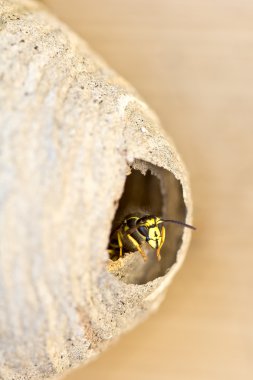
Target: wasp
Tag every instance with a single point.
(133, 231)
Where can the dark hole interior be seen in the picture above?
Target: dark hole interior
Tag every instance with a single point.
(159, 193)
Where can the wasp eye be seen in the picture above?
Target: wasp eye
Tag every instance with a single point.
(160, 226)
(143, 230)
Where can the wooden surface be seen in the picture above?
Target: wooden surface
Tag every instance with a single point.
(192, 61)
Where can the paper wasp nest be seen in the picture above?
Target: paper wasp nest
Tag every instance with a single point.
(72, 134)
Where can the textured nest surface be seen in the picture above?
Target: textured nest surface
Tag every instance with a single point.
(79, 149)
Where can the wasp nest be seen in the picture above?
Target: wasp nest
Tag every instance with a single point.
(78, 147)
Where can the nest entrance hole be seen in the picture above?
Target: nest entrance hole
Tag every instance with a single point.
(150, 190)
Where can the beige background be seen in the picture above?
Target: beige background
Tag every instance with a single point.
(193, 63)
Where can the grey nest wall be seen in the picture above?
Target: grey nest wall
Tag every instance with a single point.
(79, 148)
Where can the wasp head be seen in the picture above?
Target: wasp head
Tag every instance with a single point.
(149, 226)
(152, 230)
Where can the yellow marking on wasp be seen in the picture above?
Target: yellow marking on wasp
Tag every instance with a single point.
(138, 247)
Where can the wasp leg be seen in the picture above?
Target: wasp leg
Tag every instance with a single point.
(112, 254)
(120, 244)
(162, 241)
(137, 245)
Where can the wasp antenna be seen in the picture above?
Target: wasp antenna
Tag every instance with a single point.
(178, 222)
